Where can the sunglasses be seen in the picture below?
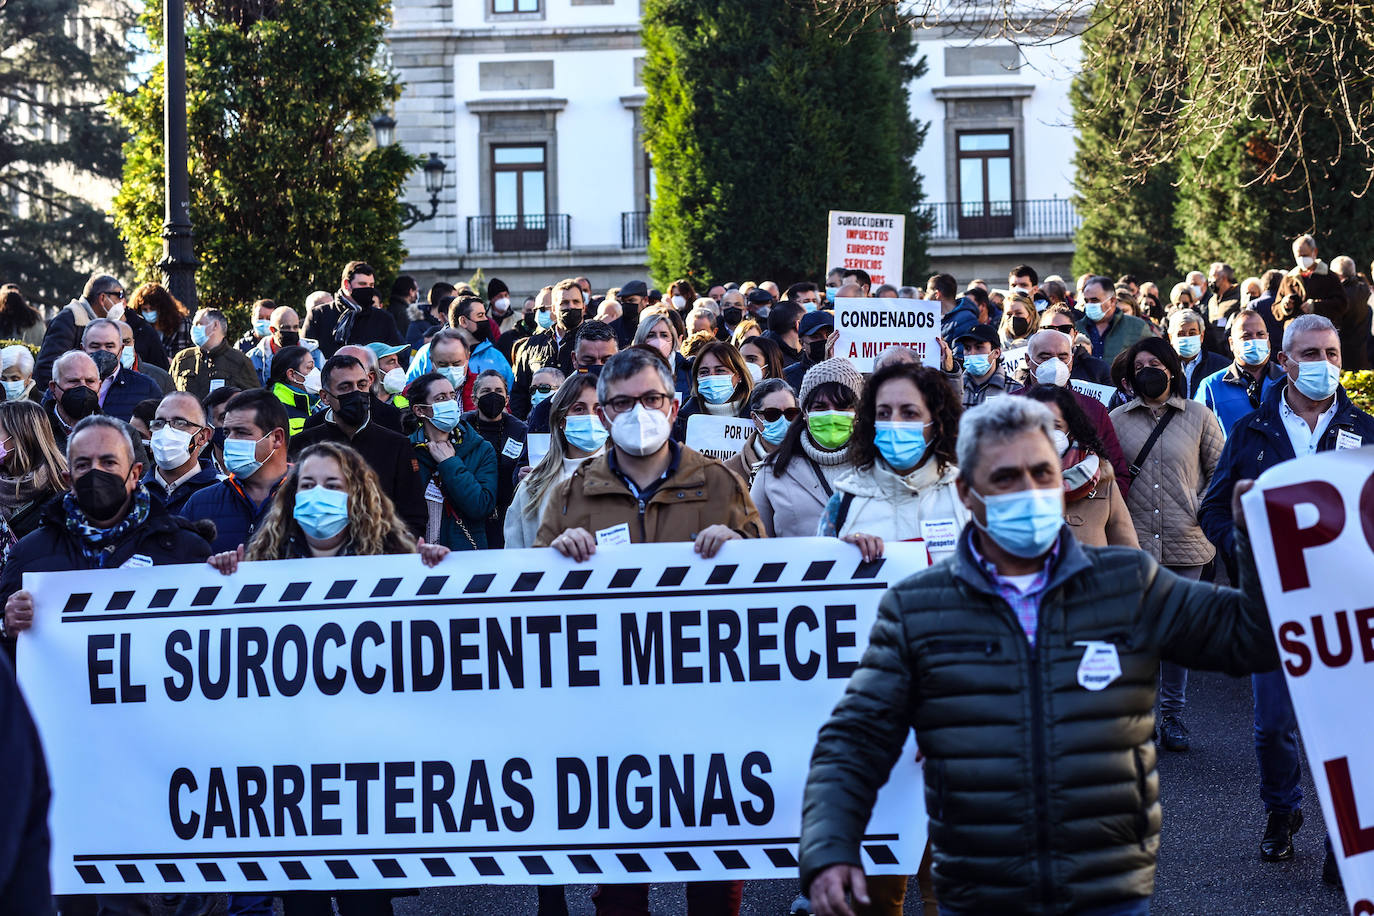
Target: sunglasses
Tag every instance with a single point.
(771, 414)
(1065, 329)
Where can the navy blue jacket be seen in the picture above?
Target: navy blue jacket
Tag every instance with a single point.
(958, 323)
(25, 886)
(1255, 444)
(129, 387)
(235, 515)
(205, 477)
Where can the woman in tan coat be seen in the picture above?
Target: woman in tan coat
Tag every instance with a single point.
(1093, 505)
(1168, 487)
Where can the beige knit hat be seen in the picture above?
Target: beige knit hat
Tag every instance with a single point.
(836, 369)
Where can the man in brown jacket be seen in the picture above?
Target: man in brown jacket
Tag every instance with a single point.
(646, 488)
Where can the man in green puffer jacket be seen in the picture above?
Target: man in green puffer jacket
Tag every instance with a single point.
(1026, 664)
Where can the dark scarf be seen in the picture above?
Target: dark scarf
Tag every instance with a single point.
(97, 543)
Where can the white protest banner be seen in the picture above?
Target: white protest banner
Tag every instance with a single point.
(507, 717)
(538, 446)
(1103, 393)
(1311, 523)
(719, 437)
(871, 242)
(867, 327)
(1013, 359)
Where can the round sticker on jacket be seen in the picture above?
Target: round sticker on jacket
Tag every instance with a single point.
(1100, 665)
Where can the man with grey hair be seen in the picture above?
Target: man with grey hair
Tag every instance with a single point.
(1026, 666)
(213, 361)
(73, 393)
(1321, 287)
(646, 488)
(1307, 412)
(1355, 328)
(1108, 329)
(1186, 328)
(121, 388)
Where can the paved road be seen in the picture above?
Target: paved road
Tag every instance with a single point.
(1209, 861)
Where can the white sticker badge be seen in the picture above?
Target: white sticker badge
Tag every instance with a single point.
(1100, 665)
(615, 536)
(513, 448)
(1346, 439)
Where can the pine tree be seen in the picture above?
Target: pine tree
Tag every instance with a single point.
(759, 122)
(61, 60)
(1128, 220)
(285, 186)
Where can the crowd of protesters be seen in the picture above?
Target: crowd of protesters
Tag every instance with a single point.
(134, 433)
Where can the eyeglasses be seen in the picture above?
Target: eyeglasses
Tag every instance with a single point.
(652, 400)
(176, 423)
(771, 414)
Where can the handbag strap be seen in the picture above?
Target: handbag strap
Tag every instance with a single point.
(1150, 442)
(820, 475)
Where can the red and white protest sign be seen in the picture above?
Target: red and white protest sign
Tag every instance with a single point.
(1311, 524)
(867, 327)
(871, 242)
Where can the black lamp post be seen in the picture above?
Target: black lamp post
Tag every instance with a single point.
(178, 262)
(384, 127)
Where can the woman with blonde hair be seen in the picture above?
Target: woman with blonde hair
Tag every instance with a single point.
(657, 329)
(1019, 319)
(31, 469)
(575, 434)
(745, 330)
(720, 385)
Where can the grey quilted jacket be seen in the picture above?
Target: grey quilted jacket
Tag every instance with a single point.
(1042, 795)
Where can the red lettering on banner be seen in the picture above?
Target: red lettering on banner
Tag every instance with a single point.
(1290, 640)
(1290, 541)
(1364, 632)
(1341, 656)
(1354, 838)
(1363, 908)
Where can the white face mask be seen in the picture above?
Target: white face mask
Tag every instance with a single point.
(1306, 262)
(1052, 372)
(115, 312)
(641, 431)
(679, 302)
(501, 306)
(311, 383)
(394, 381)
(1060, 440)
(171, 448)
(1196, 290)
(755, 372)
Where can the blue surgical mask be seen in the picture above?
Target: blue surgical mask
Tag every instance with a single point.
(811, 306)
(15, 390)
(199, 335)
(261, 326)
(150, 317)
(585, 431)
(1318, 379)
(321, 512)
(901, 444)
(446, 415)
(1254, 352)
(126, 357)
(539, 397)
(1093, 310)
(456, 376)
(774, 432)
(1188, 347)
(715, 389)
(978, 364)
(241, 457)
(544, 318)
(1025, 523)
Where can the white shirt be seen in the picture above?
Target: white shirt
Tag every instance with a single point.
(1304, 439)
(170, 485)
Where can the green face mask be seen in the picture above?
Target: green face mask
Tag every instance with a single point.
(830, 429)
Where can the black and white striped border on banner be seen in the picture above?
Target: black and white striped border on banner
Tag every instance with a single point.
(456, 866)
(782, 576)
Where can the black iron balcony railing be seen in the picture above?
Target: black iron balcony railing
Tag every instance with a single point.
(634, 229)
(1003, 219)
(523, 232)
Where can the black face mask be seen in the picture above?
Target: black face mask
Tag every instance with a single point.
(100, 494)
(79, 402)
(571, 319)
(816, 350)
(593, 371)
(353, 408)
(1151, 382)
(218, 437)
(491, 404)
(732, 316)
(290, 338)
(1019, 326)
(482, 331)
(105, 363)
(364, 295)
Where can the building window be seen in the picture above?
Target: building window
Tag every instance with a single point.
(514, 6)
(985, 183)
(519, 194)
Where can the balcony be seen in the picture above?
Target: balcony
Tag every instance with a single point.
(524, 232)
(1003, 219)
(634, 229)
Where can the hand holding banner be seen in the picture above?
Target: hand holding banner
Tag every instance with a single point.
(1311, 523)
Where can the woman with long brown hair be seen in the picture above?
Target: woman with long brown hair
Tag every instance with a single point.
(166, 314)
(19, 320)
(31, 469)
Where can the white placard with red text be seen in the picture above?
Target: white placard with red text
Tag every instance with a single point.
(871, 242)
(1311, 523)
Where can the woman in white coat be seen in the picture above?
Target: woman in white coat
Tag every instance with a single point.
(903, 453)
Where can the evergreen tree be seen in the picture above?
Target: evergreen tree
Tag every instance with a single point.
(61, 62)
(285, 187)
(759, 121)
(1127, 219)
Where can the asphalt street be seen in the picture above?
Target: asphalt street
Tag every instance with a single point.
(1209, 859)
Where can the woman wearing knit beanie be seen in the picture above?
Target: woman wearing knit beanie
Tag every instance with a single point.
(796, 481)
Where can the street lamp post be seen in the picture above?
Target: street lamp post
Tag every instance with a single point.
(384, 129)
(178, 262)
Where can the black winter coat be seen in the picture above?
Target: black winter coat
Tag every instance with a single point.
(498, 434)
(25, 884)
(370, 325)
(534, 353)
(1042, 795)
